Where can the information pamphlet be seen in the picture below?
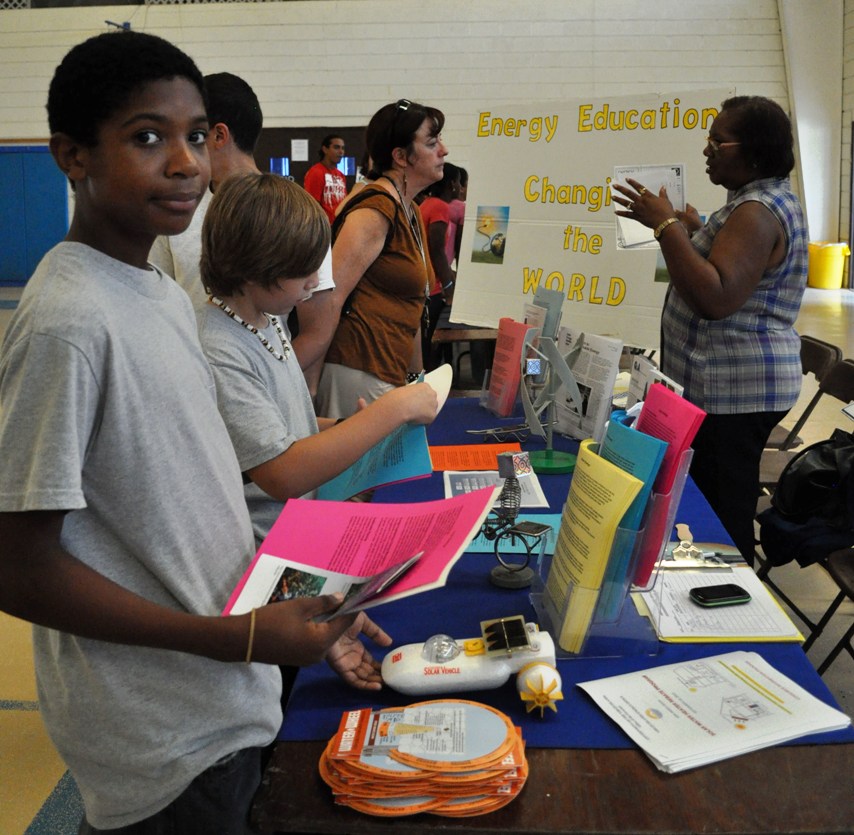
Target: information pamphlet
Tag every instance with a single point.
(470, 456)
(600, 493)
(639, 455)
(506, 366)
(697, 712)
(671, 418)
(400, 456)
(644, 372)
(318, 547)
(460, 483)
(595, 370)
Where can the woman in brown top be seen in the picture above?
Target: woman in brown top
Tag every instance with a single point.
(380, 263)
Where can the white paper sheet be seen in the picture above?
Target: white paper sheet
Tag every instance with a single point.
(677, 617)
(701, 711)
(457, 482)
(630, 233)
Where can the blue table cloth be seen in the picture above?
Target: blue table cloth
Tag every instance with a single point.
(319, 697)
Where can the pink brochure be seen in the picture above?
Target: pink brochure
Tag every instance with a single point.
(506, 371)
(671, 418)
(318, 547)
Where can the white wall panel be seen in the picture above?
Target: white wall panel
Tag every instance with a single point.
(316, 62)
(322, 61)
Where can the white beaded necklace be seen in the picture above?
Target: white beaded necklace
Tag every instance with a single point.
(274, 321)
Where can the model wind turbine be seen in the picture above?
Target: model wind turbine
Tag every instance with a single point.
(544, 368)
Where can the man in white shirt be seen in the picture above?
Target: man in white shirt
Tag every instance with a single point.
(235, 119)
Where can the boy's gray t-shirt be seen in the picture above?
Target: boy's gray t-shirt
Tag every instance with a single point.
(264, 401)
(108, 411)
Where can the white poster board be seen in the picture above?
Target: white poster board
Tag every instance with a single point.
(539, 208)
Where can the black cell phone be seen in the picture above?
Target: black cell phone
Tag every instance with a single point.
(725, 594)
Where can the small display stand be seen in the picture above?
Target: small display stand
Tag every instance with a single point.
(511, 535)
(552, 461)
(545, 369)
(618, 633)
(514, 570)
(616, 628)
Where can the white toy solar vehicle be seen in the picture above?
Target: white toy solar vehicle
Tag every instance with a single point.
(443, 664)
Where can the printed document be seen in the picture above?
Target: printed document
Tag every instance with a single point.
(630, 233)
(459, 483)
(317, 547)
(702, 711)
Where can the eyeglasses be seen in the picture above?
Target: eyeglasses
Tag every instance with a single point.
(716, 146)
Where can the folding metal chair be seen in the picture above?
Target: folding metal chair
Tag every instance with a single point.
(817, 358)
(838, 383)
(840, 566)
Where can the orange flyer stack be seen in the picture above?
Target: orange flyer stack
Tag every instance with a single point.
(451, 757)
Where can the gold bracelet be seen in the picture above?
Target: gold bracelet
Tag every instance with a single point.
(251, 636)
(663, 225)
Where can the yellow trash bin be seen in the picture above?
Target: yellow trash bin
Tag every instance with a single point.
(826, 264)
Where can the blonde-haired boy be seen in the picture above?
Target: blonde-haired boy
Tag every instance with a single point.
(263, 240)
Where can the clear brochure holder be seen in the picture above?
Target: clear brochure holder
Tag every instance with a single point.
(617, 628)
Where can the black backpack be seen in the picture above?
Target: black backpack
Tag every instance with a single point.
(812, 509)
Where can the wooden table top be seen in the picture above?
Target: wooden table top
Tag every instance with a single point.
(789, 789)
(441, 335)
(793, 789)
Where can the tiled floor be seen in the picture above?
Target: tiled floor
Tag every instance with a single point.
(38, 798)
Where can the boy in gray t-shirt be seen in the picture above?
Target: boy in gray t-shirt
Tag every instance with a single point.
(123, 527)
